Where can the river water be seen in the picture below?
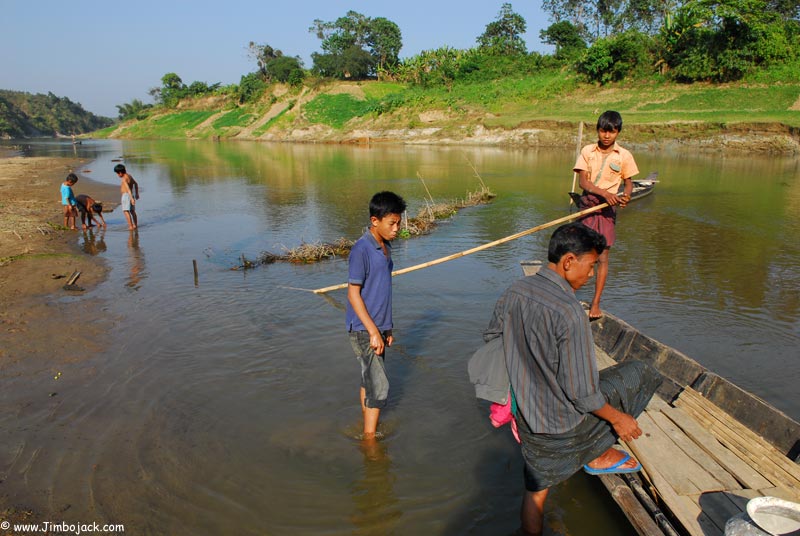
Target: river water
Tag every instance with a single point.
(230, 406)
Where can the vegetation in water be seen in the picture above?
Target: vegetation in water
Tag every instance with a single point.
(424, 222)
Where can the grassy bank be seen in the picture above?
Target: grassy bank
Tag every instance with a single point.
(513, 111)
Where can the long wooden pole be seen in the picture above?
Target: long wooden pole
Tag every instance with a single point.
(479, 248)
(577, 152)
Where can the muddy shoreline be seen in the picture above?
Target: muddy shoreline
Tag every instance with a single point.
(38, 318)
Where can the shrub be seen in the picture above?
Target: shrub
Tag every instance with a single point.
(612, 59)
(251, 87)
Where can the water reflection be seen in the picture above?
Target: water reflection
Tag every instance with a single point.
(94, 240)
(377, 509)
(135, 261)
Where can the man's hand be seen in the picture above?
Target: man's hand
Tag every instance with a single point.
(626, 427)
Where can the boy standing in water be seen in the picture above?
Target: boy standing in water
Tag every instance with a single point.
(68, 201)
(369, 303)
(130, 193)
(602, 167)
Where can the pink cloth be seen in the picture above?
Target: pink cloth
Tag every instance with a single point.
(501, 414)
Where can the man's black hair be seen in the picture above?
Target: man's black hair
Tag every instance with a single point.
(72, 178)
(574, 238)
(119, 168)
(610, 120)
(385, 203)
(98, 207)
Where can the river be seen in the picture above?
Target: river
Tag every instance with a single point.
(229, 405)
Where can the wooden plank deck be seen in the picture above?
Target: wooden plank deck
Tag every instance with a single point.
(703, 466)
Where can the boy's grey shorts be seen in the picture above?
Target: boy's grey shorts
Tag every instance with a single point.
(373, 370)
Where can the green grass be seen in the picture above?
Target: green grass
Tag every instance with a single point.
(104, 132)
(378, 90)
(550, 95)
(170, 125)
(336, 110)
(240, 117)
(269, 124)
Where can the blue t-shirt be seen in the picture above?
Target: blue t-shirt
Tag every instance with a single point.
(67, 197)
(372, 270)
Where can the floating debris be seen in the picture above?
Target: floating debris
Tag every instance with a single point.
(422, 224)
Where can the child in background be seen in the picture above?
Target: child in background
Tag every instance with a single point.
(129, 189)
(68, 201)
(91, 208)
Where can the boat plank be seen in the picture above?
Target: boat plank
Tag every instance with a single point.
(749, 438)
(760, 459)
(631, 507)
(779, 492)
(694, 451)
(654, 448)
(742, 471)
(686, 511)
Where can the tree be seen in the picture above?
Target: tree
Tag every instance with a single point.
(251, 87)
(721, 40)
(286, 69)
(385, 40)
(172, 90)
(603, 18)
(356, 46)
(504, 35)
(131, 109)
(263, 54)
(566, 37)
(171, 81)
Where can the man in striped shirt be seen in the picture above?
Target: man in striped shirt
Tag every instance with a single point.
(568, 414)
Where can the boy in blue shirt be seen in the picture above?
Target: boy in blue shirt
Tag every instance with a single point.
(68, 201)
(369, 303)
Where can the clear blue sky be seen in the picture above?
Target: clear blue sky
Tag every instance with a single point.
(104, 53)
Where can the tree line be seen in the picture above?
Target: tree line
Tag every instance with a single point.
(27, 115)
(603, 41)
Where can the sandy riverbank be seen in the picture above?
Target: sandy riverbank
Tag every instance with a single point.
(42, 325)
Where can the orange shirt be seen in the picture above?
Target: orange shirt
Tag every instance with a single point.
(607, 170)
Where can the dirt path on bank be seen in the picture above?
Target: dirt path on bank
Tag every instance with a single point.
(42, 325)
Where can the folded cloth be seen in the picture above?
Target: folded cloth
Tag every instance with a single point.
(501, 414)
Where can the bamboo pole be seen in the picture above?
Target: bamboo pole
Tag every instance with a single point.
(532, 230)
(577, 152)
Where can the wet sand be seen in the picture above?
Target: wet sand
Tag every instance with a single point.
(36, 314)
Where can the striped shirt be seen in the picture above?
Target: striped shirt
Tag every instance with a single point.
(549, 352)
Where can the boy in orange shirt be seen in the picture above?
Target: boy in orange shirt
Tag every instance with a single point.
(602, 167)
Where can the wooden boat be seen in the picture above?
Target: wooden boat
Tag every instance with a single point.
(641, 188)
(708, 446)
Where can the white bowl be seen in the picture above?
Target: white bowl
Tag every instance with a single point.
(776, 516)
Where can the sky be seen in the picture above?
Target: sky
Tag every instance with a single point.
(104, 53)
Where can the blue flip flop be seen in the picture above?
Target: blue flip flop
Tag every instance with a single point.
(616, 468)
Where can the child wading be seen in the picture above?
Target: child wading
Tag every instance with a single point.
(602, 167)
(129, 189)
(369, 303)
